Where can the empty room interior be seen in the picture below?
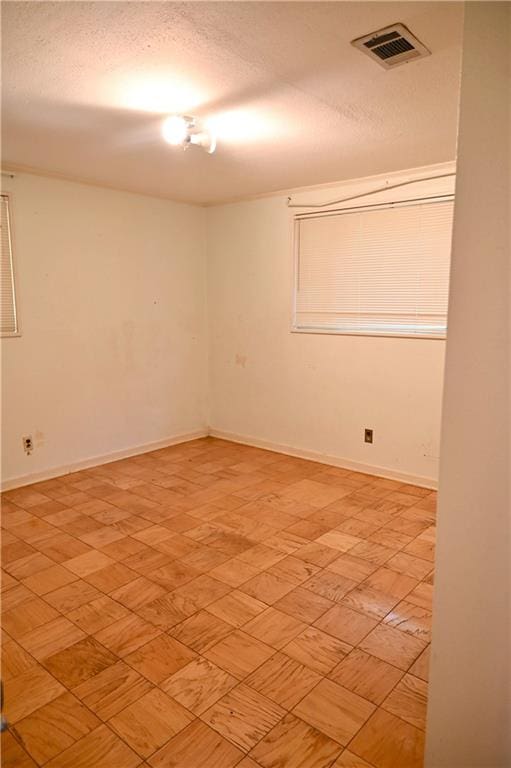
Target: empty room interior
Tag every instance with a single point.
(255, 336)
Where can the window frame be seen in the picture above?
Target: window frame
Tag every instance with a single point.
(14, 270)
(295, 234)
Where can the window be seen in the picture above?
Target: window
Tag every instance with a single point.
(380, 270)
(8, 317)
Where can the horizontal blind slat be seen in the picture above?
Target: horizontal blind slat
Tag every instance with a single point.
(362, 269)
(8, 319)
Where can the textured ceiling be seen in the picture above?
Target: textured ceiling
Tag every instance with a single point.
(85, 87)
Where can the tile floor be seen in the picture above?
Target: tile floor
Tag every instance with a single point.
(212, 605)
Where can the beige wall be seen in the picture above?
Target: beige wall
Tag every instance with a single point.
(309, 393)
(469, 722)
(112, 354)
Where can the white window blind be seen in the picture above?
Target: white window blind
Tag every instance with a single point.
(8, 318)
(375, 271)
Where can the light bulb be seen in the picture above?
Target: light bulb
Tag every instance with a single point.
(204, 139)
(175, 130)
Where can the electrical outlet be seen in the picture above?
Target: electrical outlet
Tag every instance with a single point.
(28, 445)
(368, 435)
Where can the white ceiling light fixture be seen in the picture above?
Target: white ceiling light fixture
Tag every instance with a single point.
(183, 130)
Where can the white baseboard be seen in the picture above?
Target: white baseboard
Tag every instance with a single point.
(321, 458)
(94, 461)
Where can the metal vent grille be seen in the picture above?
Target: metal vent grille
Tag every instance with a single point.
(391, 46)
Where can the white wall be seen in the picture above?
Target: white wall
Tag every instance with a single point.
(312, 393)
(112, 355)
(469, 720)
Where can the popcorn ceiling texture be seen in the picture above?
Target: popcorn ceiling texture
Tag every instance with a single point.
(85, 86)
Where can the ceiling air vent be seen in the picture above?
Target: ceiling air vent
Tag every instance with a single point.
(391, 46)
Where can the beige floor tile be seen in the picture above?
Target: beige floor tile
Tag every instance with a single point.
(283, 680)
(317, 554)
(307, 529)
(160, 658)
(15, 660)
(147, 724)
(198, 685)
(393, 646)
(294, 569)
(167, 610)
(98, 614)
(423, 546)
(408, 701)
(354, 568)
(349, 760)
(409, 565)
(334, 710)
(28, 692)
(78, 662)
(295, 744)
(111, 690)
(7, 580)
(412, 619)
(286, 541)
(88, 563)
(72, 596)
(420, 667)
(194, 746)
(274, 627)
(201, 631)
(239, 653)
(270, 567)
(236, 608)
(101, 748)
(330, 585)
(13, 595)
(173, 575)
(26, 616)
(112, 577)
(385, 741)
(370, 601)
(243, 716)
(30, 565)
(13, 755)
(123, 547)
(267, 587)
(204, 559)
(317, 650)
(126, 635)
(101, 537)
(138, 593)
(304, 605)
(147, 561)
(373, 553)
(339, 540)
(51, 638)
(317, 494)
(422, 596)
(346, 624)
(358, 528)
(389, 538)
(55, 727)
(202, 591)
(49, 579)
(261, 556)
(367, 676)
(387, 580)
(234, 572)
